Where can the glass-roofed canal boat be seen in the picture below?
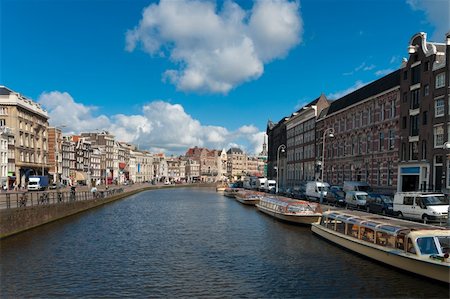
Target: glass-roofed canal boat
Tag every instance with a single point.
(414, 247)
(249, 197)
(291, 210)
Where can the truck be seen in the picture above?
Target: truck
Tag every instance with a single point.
(314, 190)
(425, 206)
(356, 186)
(37, 183)
(269, 186)
(260, 183)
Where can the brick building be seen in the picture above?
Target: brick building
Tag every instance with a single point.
(424, 116)
(365, 128)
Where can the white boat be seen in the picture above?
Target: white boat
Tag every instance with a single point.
(414, 247)
(248, 197)
(297, 211)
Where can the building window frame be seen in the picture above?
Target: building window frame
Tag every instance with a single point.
(439, 107)
(440, 80)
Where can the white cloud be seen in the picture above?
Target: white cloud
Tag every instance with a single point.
(339, 94)
(160, 126)
(437, 14)
(214, 49)
(64, 111)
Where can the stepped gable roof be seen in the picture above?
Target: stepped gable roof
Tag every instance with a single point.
(376, 87)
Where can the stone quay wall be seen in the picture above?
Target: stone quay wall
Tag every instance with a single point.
(17, 220)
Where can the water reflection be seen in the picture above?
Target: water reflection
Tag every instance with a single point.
(191, 243)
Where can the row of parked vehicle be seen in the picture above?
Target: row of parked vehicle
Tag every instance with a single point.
(424, 206)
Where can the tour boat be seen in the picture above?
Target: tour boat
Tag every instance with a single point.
(297, 211)
(230, 192)
(414, 247)
(248, 197)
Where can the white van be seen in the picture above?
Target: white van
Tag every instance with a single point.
(260, 183)
(421, 206)
(356, 199)
(313, 190)
(356, 186)
(270, 185)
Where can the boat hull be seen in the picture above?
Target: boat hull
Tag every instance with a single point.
(245, 201)
(299, 218)
(434, 270)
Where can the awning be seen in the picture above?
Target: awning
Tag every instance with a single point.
(80, 176)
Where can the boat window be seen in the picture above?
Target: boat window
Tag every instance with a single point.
(427, 245)
(410, 247)
(444, 242)
(400, 244)
(352, 230)
(367, 234)
(385, 239)
(389, 228)
(330, 223)
(340, 226)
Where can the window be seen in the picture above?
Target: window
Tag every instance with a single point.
(438, 136)
(392, 109)
(381, 141)
(439, 107)
(424, 117)
(414, 125)
(408, 200)
(403, 157)
(415, 75)
(405, 75)
(2, 122)
(426, 90)
(426, 66)
(424, 150)
(415, 99)
(405, 97)
(391, 139)
(3, 110)
(382, 111)
(413, 151)
(440, 80)
(404, 122)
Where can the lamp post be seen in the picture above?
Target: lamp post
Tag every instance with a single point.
(282, 147)
(330, 132)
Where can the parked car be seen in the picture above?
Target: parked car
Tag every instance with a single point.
(421, 206)
(336, 188)
(298, 193)
(336, 197)
(380, 203)
(355, 199)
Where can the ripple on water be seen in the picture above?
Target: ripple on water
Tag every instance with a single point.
(190, 243)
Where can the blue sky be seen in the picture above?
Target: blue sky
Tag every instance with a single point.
(200, 72)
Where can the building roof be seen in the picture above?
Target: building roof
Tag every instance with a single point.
(376, 87)
(235, 150)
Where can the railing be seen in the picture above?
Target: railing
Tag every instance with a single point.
(28, 199)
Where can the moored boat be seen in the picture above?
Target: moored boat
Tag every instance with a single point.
(297, 211)
(414, 247)
(230, 192)
(248, 197)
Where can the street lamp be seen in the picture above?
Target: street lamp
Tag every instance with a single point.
(330, 132)
(282, 147)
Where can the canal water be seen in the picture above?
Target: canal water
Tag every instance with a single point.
(191, 243)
